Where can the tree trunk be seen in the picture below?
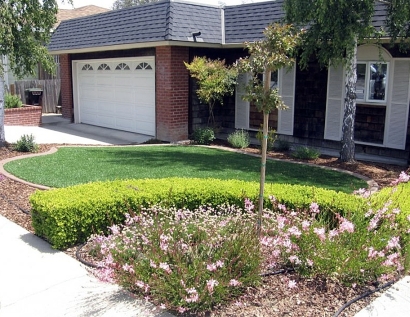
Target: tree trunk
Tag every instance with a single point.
(347, 153)
(2, 134)
(264, 149)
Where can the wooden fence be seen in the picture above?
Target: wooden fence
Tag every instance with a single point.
(51, 92)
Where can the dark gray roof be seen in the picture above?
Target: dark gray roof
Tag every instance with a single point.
(379, 16)
(245, 23)
(159, 21)
(170, 20)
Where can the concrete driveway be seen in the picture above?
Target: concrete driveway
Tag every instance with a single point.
(55, 129)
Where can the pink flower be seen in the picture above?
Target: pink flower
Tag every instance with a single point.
(211, 267)
(292, 284)
(305, 225)
(163, 244)
(393, 243)
(294, 259)
(162, 306)
(219, 263)
(128, 268)
(309, 262)
(211, 284)
(281, 221)
(181, 310)
(403, 178)
(314, 208)
(234, 283)
(141, 284)
(114, 229)
(266, 241)
(193, 295)
(346, 225)
(333, 233)
(282, 207)
(320, 233)
(295, 231)
(249, 205)
(165, 267)
(152, 264)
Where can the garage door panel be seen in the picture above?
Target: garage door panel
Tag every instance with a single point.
(118, 97)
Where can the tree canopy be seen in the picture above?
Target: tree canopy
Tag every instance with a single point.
(25, 29)
(120, 4)
(334, 29)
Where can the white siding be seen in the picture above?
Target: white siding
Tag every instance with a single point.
(334, 104)
(396, 124)
(287, 91)
(241, 106)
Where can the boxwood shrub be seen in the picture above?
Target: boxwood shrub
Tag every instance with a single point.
(68, 216)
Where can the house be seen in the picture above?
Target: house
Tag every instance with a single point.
(124, 70)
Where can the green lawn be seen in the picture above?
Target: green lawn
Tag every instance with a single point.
(76, 165)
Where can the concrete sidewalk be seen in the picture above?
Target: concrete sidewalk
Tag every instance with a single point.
(56, 129)
(36, 280)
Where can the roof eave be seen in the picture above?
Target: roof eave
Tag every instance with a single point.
(135, 45)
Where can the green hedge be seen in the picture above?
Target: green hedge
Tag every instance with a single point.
(70, 215)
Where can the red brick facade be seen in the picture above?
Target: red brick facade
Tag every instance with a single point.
(26, 116)
(66, 87)
(172, 93)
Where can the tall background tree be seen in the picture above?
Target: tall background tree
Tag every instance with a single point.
(25, 29)
(120, 4)
(334, 30)
(274, 52)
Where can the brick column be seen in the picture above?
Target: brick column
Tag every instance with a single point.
(172, 90)
(66, 87)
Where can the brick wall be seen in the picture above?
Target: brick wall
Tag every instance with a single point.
(26, 116)
(66, 87)
(172, 92)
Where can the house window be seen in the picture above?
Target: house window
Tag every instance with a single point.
(372, 79)
(122, 66)
(256, 116)
(87, 67)
(143, 66)
(104, 67)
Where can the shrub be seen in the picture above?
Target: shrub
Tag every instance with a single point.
(192, 260)
(204, 136)
(282, 145)
(70, 215)
(239, 139)
(12, 101)
(185, 260)
(346, 248)
(153, 141)
(306, 153)
(272, 137)
(26, 144)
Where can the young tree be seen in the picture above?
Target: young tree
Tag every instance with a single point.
(25, 28)
(274, 52)
(334, 30)
(215, 79)
(120, 4)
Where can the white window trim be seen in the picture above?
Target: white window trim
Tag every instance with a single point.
(367, 100)
(278, 87)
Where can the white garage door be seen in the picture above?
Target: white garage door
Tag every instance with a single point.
(117, 94)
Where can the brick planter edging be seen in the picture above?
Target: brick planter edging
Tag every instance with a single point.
(26, 115)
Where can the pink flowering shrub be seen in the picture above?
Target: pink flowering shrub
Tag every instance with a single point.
(184, 260)
(355, 248)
